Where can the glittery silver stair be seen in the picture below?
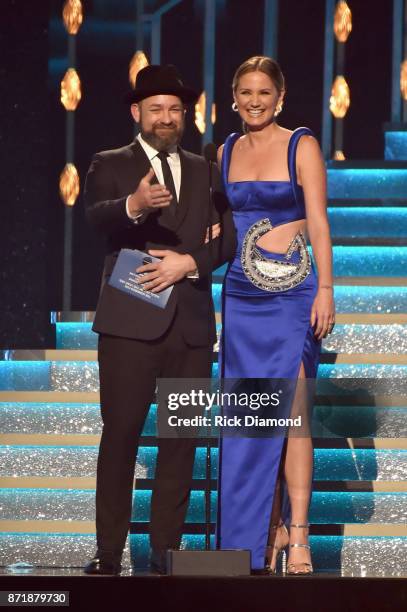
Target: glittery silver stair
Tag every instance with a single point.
(48, 458)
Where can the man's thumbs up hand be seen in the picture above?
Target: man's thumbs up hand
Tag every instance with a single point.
(148, 196)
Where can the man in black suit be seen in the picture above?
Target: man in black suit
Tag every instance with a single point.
(152, 196)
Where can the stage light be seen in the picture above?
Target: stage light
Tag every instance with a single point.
(200, 107)
(137, 62)
(339, 101)
(339, 156)
(403, 79)
(342, 21)
(213, 114)
(200, 112)
(72, 15)
(71, 90)
(69, 184)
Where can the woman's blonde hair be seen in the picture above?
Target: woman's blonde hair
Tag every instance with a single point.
(264, 64)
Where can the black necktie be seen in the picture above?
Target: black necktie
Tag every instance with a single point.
(168, 180)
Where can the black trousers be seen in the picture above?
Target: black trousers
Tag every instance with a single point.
(128, 370)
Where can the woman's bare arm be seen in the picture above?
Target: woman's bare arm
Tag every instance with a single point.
(219, 156)
(312, 174)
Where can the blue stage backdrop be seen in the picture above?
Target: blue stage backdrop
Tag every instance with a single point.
(27, 222)
(34, 131)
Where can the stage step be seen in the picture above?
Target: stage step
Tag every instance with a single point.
(336, 464)
(83, 377)
(387, 308)
(385, 340)
(389, 344)
(365, 339)
(59, 549)
(354, 299)
(41, 507)
(382, 392)
(60, 457)
(368, 222)
(71, 424)
(89, 482)
(351, 556)
(395, 141)
(379, 303)
(360, 180)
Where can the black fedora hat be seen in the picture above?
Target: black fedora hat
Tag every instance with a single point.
(154, 80)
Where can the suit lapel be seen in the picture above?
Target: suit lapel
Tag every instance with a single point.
(143, 163)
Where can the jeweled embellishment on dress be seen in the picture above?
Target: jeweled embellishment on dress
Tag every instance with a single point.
(272, 274)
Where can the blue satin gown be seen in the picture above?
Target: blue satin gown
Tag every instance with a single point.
(266, 333)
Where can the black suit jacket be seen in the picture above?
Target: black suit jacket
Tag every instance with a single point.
(112, 176)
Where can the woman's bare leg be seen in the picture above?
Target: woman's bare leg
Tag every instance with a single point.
(298, 467)
(277, 534)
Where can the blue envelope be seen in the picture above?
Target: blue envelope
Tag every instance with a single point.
(124, 277)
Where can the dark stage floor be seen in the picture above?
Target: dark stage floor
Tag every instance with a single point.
(145, 591)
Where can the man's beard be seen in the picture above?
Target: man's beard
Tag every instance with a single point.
(163, 140)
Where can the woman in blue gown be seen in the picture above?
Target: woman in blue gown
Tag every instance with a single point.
(275, 313)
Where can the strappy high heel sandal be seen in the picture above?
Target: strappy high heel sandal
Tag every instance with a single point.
(281, 555)
(300, 569)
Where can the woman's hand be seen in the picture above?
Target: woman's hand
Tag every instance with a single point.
(323, 312)
(215, 232)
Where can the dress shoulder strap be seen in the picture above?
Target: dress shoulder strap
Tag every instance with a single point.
(292, 154)
(227, 154)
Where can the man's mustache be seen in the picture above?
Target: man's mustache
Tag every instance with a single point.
(166, 127)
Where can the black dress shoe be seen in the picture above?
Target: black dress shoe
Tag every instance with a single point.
(100, 566)
(262, 572)
(158, 561)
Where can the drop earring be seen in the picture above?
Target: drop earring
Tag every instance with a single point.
(234, 107)
(278, 110)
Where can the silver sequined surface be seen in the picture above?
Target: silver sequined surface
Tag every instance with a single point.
(360, 422)
(81, 461)
(376, 300)
(359, 556)
(51, 550)
(384, 378)
(55, 462)
(74, 376)
(367, 508)
(51, 504)
(50, 418)
(367, 339)
(64, 419)
(391, 423)
(388, 465)
(71, 376)
(374, 557)
(76, 505)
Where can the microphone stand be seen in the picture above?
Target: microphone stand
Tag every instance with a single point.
(208, 458)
